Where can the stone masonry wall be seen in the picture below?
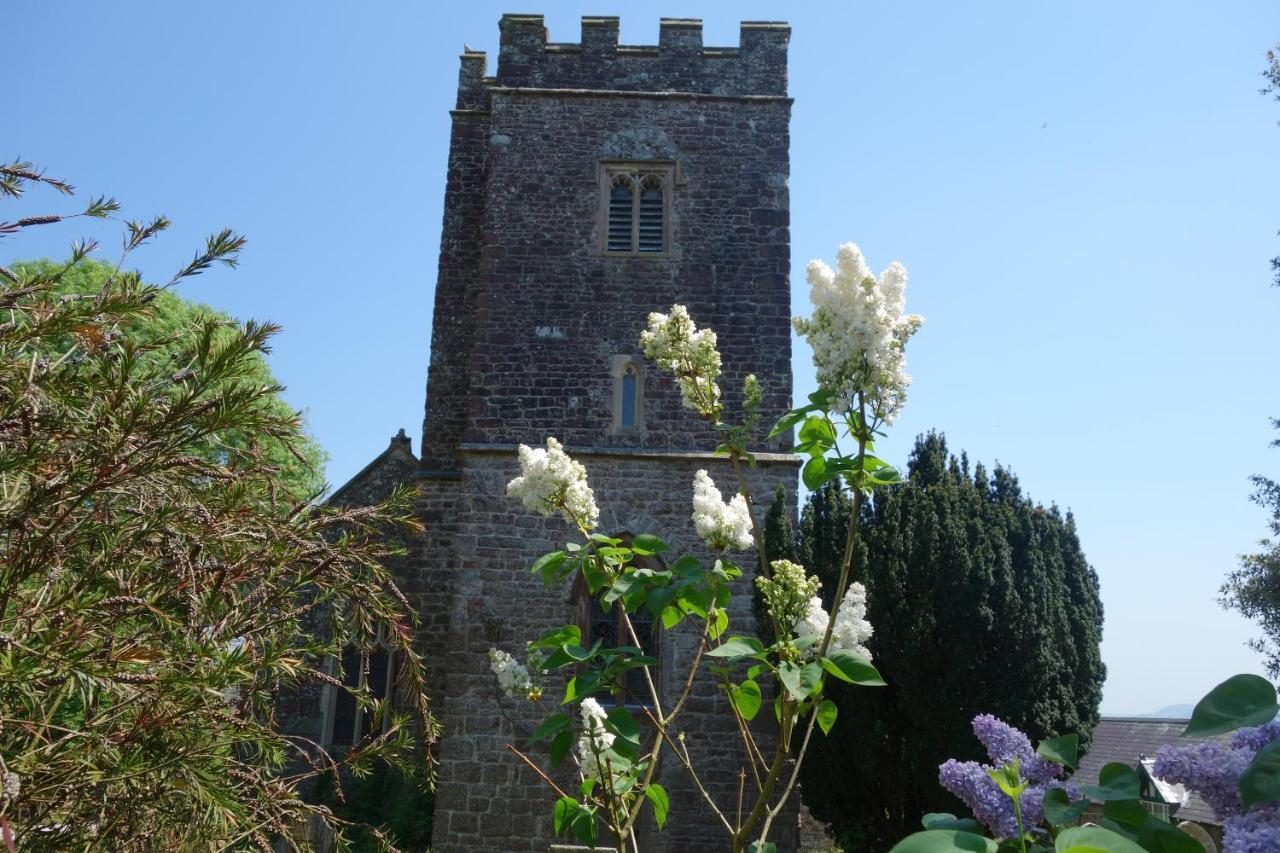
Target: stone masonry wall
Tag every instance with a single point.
(555, 310)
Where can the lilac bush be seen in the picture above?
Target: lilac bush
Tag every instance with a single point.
(1213, 771)
(971, 781)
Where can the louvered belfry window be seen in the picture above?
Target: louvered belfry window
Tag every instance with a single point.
(637, 212)
(622, 209)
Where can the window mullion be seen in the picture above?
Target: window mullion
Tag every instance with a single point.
(635, 216)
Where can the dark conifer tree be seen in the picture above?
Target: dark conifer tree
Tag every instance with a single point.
(982, 602)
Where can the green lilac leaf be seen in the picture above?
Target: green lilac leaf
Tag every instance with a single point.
(566, 809)
(944, 841)
(1238, 702)
(620, 722)
(1116, 781)
(1093, 839)
(560, 747)
(737, 647)
(1261, 782)
(827, 715)
(814, 472)
(549, 726)
(852, 667)
(584, 827)
(564, 635)
(746, 698)
(657, 796)
(647, 543)
(1061, 750)
(946, 820)
(1058, 808)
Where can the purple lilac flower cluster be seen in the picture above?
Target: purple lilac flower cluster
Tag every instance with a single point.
(1213, 771)
(1255, 832)
(971, 782)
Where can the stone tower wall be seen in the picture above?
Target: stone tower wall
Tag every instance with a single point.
(530, 317)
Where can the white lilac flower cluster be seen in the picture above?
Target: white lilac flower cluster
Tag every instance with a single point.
(594, 740)
(676, 344)
(551, 482)
(858, 332)
(852, 629)
(723, 526)
(787, 593)
(10, 787)
(513, 676)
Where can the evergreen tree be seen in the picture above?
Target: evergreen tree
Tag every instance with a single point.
(982, 602)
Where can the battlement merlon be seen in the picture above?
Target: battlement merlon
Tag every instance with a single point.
(678, 63)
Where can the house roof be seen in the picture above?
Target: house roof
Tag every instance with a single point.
(1134, 740)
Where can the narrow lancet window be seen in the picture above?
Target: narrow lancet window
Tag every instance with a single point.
(628, 414)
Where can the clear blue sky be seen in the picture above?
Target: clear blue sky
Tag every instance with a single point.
(1084, 194)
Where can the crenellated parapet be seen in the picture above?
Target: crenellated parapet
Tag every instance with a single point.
(679, 63)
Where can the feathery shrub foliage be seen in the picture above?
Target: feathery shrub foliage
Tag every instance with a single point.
(160, 578)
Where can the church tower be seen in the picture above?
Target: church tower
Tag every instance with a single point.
(589, 184)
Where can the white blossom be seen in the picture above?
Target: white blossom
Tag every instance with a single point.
(594, 740)
(852, 629)
(10, 787)
(787, 593)
(678, 345)
(551, 482)
(858, 332)
(723, 526)
(513, 676)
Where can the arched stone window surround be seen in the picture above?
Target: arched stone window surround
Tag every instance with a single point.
(635, 208)
(628, 394)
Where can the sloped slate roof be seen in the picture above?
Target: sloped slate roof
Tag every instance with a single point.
(1130, 739)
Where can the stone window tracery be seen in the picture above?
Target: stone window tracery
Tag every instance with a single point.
(636, 207)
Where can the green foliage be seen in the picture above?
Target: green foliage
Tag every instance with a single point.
(779, 544)
(300, 464)
(1241, 700)
(1094, 839)
(982, 602)
(386, 805)
(160, 581)
(944, 841)
(1254, 588)
(1272, 75)
(1063, 750)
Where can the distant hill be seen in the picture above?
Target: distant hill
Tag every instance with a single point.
(1176, 712)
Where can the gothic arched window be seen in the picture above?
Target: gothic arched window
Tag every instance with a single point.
(637, 208)
(373, 669)
(628, 395)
